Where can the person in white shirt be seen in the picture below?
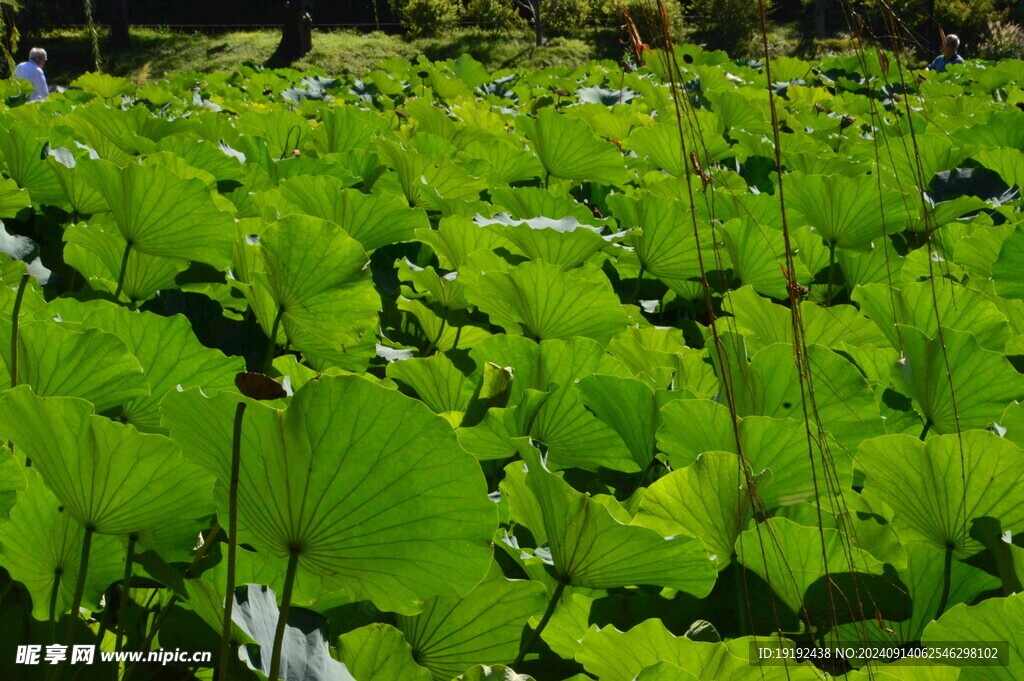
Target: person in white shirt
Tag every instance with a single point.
(32, 71)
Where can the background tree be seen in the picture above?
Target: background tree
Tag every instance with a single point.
(297, 32)
(120, 37)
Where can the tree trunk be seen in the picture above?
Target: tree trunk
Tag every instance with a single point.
(119, 35)
(538, 22)
(297, 34)
(819, 19)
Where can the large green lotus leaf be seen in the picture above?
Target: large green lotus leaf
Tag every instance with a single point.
(484, 627)
(663, 144)
(379, 652)
(374, 220)
(540, 300)
(436, 381)
(754, 252)
(533, 202)
(573, 436)
(159, 213)
(614, 655)
(424, 180)
(104, 85)
(983, 381)
(931, 486)
(166, 348)
(563, 242)
(849, 212)
(456, 237)
(500, 672)
(826, 326)
(12, 198)
(431, 327)
(83, 197)
(204, 156)
(1008, 270)
(917, 163)
(664, 671)
(780, 446)
(344, 128)
(932, 215)
(569, 150)
(536, 366)
(923, 578)
(845, 402)
(370, 486)
(40, 542)
(500, 162)
(96, 250)
(630, 408)
(922, 304)
(792, 558)
(22, 149)
(994, 619)
(56, 359)
(283, 130)
(707, 499)
(659, 357)
(316, 278)
(109, 476)
(910, 670)
(591, 548)
(663, 236)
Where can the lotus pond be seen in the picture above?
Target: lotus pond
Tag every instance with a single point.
(548, 374)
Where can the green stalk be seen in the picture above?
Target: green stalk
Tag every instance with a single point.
(53, 602)
(282, 617)
(124, 270)
(122, 611)
(229, 589)
(947, 574)
(15, 315)
(552, 604)
(433, 344)
(166, 608)
(831, 271)
(76, 600)
(927, 427)
(636, 287)
(268, 358)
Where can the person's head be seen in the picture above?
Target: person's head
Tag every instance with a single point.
(37, 55)
(951, 45)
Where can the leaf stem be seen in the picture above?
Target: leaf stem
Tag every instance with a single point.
(76, 600)
(124, 270)
(229, 588)
(122, 611)
(268, 358)
(552, 604)
(636, 287)
(282, 617)
(54, 593)
(947, 575)
(15, 315)
(831, 271)
(433, 344)
(927, 427)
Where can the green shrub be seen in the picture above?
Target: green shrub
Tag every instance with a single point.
(969, 19)
(728, 25)
(494, 15)
(566, 17)
(429, 17)
(1005, 40)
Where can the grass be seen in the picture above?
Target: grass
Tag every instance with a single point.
(157, 52)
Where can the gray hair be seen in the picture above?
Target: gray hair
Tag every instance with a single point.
(953, 41)
(37, 54)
